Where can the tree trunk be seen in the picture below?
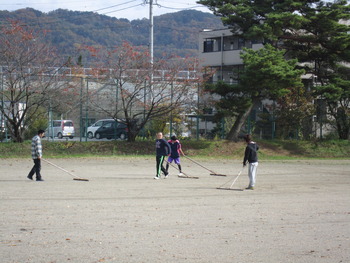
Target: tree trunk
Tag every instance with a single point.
(237, 126)
(131, 137)
(16, 134)
(343, 124)
(134, 130)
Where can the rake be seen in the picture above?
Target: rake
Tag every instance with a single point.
(184, 174)
(211, 172)
(77, 178)
(230, 188)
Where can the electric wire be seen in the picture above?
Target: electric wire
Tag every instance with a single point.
(58, 20)
(87, 13)
(81, 16)
(180, 9)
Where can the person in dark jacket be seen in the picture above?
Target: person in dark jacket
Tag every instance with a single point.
(162, 150)
(251, 156)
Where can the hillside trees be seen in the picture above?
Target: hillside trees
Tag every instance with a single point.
(29, 77)
(175, 33)
(136, 91)
(314, 32)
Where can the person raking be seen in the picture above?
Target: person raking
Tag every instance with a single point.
(251, 156)
(162, 150)
(176, 149)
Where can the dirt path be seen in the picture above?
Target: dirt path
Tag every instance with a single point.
(299, 212)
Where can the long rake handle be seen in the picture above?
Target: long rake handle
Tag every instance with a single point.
(175, 167)
(64, 170)
(233, 180)
(200, 165)
(172, 165)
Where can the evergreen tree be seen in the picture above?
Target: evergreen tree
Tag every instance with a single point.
(312, 31)
(274, 77)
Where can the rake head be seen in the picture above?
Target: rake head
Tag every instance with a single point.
(187, 176)
(218, 174)
(232, 189)
(81, 179)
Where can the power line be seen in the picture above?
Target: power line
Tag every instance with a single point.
(113, 6)
(180, 9)
(80, 16)
(57, 20)
(121, 9)
(68, 2)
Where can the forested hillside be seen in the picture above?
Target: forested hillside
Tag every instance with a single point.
(174, 33)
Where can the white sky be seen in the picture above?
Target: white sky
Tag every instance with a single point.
(130, 9)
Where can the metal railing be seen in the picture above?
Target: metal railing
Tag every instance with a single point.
(91, 72)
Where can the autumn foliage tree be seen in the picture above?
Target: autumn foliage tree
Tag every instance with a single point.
(28, 76)
(137, 91)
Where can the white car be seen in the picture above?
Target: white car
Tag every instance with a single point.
(93, 128)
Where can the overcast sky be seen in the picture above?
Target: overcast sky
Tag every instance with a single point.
(130, 9)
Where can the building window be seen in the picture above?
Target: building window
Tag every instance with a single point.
(230, 43)
(242, 43)
(212, 45)
(208, 46)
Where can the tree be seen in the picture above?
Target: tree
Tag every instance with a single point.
(29, 76)
(314, 32)
(325, 54)
(136, 91)
(291, 111)
(336, 92)
(266, 75)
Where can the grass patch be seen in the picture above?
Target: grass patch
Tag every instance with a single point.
(269, 150)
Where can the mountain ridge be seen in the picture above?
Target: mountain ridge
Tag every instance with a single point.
(174, 33)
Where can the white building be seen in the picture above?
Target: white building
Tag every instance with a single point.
(220, 50)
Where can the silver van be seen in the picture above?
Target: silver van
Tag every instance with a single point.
(60, 129)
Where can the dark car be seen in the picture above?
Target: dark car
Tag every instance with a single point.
(112, 130)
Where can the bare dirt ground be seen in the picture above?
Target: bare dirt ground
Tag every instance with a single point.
(299, 212)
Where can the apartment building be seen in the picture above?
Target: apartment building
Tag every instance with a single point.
(220, 50)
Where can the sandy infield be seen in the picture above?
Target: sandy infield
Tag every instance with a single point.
(299, 212)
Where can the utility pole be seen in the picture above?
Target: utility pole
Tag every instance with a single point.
(87, 109)
(151, 31)
(150, 2)
(151, 41)
(81, 109)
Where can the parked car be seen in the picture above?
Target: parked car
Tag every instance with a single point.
(112, 130)
(91, 130)
(60, 129)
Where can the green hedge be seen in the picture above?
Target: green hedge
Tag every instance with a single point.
(215, 149)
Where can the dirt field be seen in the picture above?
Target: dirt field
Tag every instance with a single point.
(299, 212)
